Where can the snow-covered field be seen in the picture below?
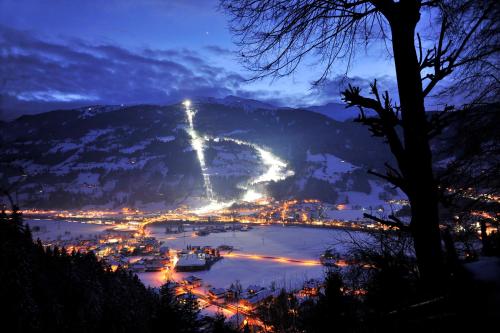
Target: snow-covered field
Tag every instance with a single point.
(301, 243)
(298, 243)
(48, 230)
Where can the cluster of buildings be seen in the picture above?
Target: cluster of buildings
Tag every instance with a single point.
(247, 299)
(235, 295)
(197, 258)
(105, 243)
(125, 248)
(295, 211)
(139, 253)
(214, 228)
(311, 288)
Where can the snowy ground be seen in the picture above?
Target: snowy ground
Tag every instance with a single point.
(290, 242)
(300, 243)
(62, 230)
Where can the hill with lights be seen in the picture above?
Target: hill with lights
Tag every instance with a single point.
(143, 156)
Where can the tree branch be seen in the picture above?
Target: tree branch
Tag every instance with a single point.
(395, 223)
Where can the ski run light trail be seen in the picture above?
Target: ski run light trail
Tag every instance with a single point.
(197, 142)
(276, 169)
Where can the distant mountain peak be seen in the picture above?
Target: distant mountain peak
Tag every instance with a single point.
(92, 110)
(235, 101)
(337, 111)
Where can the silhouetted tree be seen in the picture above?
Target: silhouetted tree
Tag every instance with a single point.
(275, 36)
(280, 313)
(218, 324)
(332, 308)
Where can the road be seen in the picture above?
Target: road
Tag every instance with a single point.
(283, 260)
(228, 308)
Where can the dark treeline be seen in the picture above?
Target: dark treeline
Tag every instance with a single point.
(48, 290)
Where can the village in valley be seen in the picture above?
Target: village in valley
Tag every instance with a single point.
(179, 248)
(128, 246)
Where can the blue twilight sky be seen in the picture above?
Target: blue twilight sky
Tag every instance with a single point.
(67, 53)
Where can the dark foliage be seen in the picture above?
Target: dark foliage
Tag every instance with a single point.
(218, 324)
(48, 290)
(281, 313)
(382, 294)
(332, 309)
(393, 299)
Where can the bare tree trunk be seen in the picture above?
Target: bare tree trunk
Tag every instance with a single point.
(484, 238)
(416, 164)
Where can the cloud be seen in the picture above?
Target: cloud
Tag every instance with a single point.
(220, 51)
(38, 74)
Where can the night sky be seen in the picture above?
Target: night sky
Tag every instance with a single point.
(62, 54)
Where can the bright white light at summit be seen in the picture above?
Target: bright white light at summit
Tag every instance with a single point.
(187, 103)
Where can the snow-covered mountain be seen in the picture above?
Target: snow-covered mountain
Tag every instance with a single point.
(238, 102)
(142, 156)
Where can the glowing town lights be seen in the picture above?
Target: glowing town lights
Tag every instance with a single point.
(252, 195)
(341, 207)
(175, 259)
(213, 206)
(283, 260)
(114, 240)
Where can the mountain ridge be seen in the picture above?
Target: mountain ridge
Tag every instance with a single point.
(114, 156)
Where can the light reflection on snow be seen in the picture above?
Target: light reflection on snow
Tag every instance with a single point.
(276, 168)
(252, 195)
(213, 206)
(197, 142)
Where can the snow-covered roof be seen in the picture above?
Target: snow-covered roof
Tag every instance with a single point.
(217, 291)
(192, 278)
(260, 296)
(191, 260)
